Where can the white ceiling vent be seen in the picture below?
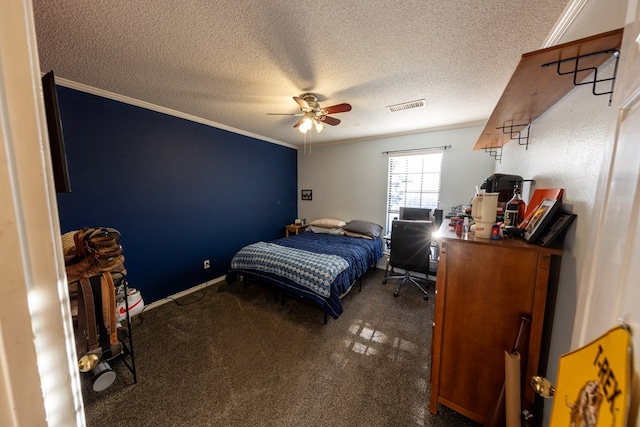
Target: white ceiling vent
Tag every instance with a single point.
(420, 103)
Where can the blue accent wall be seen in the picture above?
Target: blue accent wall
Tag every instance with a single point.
(179, 192)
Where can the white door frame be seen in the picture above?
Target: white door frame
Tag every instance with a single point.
(39, 378)
(612, 292)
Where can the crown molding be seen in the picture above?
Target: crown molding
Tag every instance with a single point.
(567, 18)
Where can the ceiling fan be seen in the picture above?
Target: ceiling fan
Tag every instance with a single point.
(313, 114)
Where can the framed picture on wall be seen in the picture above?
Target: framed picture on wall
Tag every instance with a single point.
(541, 217)
(306, 194)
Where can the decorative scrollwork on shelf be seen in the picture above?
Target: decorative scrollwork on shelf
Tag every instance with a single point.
(595, 81)
(495, 152)
(521, 135)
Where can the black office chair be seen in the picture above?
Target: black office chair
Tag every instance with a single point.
(437, 218)
(410, 249)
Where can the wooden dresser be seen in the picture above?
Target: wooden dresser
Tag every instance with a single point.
(482, 288)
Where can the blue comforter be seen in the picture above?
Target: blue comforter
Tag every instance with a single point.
(359, 254)
(312, 270)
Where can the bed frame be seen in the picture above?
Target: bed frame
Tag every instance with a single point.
(360, 254)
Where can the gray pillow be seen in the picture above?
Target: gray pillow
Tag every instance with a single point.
(364, 227)
(325, 230)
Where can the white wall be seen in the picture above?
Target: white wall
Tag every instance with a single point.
(566, 149)
(349, 180)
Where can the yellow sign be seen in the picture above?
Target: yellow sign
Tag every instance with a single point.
(593, 387)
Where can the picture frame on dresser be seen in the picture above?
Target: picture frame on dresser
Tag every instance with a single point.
(560, 224)
(541, 217)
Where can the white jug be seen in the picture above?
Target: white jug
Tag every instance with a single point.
(483, 211)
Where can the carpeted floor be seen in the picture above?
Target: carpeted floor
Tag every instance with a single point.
(232, 356)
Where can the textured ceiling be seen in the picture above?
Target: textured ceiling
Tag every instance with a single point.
(231, 62)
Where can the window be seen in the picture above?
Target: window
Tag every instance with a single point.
(414, 181)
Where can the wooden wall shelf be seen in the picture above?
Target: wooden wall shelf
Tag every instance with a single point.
(533, 89)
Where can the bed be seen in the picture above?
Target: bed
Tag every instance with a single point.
(316, 266)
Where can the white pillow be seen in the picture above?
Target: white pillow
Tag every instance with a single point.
(328, 223)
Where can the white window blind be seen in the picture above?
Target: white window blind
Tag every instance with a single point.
(414, 181)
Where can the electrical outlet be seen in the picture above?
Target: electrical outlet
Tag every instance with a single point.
(207, 264)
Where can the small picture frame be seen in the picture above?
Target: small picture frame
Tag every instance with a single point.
(306, 194)
(542, 216)
(560, 224)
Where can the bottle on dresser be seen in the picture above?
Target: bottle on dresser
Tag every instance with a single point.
(515, 209)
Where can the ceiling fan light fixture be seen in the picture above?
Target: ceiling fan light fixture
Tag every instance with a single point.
(314, 116)
(306, 125)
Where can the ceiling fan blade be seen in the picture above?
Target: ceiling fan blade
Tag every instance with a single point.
(285, 114)
(329, 120)
(302, 103)
(340, 108)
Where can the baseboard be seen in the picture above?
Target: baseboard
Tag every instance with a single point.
(170, 298)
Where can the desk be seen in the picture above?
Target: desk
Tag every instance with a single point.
(294, 228)
(482, 287)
